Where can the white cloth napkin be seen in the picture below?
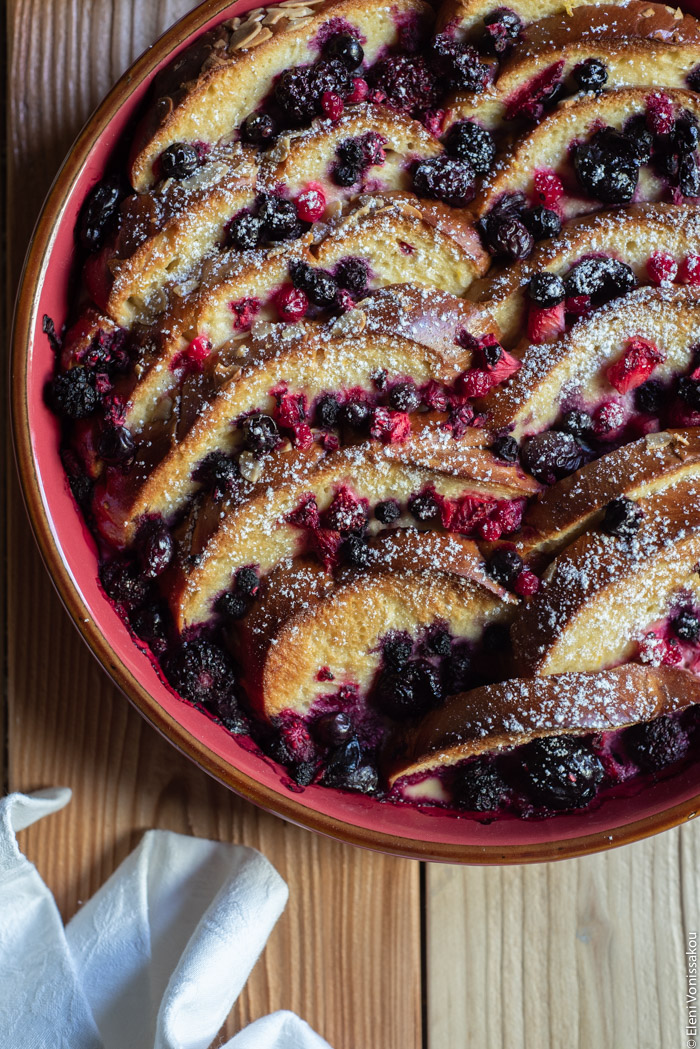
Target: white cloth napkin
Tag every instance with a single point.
(156, 958)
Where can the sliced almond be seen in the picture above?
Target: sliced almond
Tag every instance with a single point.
(678, 14)
(243, 36)
(299, 10)
(273, 17)
(260, 37)
(299, 22)
(249, 466)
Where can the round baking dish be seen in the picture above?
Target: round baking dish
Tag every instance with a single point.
(70, 556)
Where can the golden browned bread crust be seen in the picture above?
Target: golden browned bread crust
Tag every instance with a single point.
(465, 17)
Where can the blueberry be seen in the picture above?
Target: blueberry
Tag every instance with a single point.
(424, 507)
(505, 566)
(552, 455)
(245, 232)
(356, 552)
(123, 584)
(607, 167)
(232, 605)
(473, 143)
(654, 744)
(440, 643)
(492, 353)
(689, 175)
(363, 780)
(149, 624)
(502, 30)
(98, 213)
(689, 391)
(278, 218)
(258, 128)
(477, 786)
(115, 445)
(318, 285)
(387, 511)
(649, 397)
(353, 275)
(686, 626)
(155, 548)
(445, 178)
(405, 397)
(506, 448)
(458, 673)
(410, 691)
(622, 518)
(73, 393)
(546, 289)
(397, 651)
(639, 137)
(333, 729)
(355, 414)
(576, 422)
(201, 672)
(508, 235)
(179, 161)
(561, 772)
(345, 174)
(260, 434)
(693, 79)
(347, 49)
(590, 75)
(343, 759)
(601, 278)
(327, 411)
(542, 222)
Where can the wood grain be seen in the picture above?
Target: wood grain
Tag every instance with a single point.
(346, 954)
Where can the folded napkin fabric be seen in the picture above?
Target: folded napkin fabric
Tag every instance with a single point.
(156, 958)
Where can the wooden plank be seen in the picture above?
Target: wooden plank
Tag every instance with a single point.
(581, 953)
(346, 955)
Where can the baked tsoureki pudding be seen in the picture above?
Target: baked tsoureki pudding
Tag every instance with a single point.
(381, 394)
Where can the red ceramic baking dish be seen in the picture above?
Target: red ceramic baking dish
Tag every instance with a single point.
(70, 556)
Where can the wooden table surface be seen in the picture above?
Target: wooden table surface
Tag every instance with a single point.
(375, 952)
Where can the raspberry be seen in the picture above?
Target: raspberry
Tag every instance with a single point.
(652, 649)
(197, 352)
(661, 267)
(635, 366)
(509, 515)
(527, 583)
(608, 418)
(346, 512)
(660, 118)
(672, 656)
(344, 301)
(545, 324)
(434, 397)
(306, 515)
(689, 270)
(548, 189)
(244, 313)
(296, 738)
(490, 530)
(475, 383)
(311, 202)
(332, 105)
(291, 303)
(578, 305)
(360, 90)
(390, 427)
(327, 543)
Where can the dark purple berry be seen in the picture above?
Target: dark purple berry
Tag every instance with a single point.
(333, 729)
(561, 772)
(345, 48)
(407, 81)
(247, 581)
(458, 675)
(551, 455)
(303, 772)
(439, 642)
(507, 235)
(601, 278)
(397, 651)
(506, 448)
(344, 759)
(654, 744)
(686, 133)
(260, 434)
(546, 289)
(345, 174)
(115, 445)
(473, 143)
(258, 128)
(576, 422)
(622, 518)
(245, 232)
(327, 411)
(232, 605)
(458, 64)
(318, 285)
(278, 218)
(649, 397)
(408, 692)
(363, 780)
(639, 137)
(149, 624)
(542, 222)
(502, 31)
(179, 161)
(356, 552)
(686, 626)
(689, 391)
(123, 584)
(477, 786)
(689, 175)
(155, 548)
(73, 393)
(355, 414)
(424, 507)
(387, 512)
(505, 566)
(445, 178)
(607, 166)
(590, 75)
(353, 275)
(98, 213)
(201, 672)
(405, 396)
(693, 79)
(218, 473)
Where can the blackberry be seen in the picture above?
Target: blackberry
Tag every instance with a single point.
(478, 786)
(506, 448)
(260, 434)
(179, 161)
(201, 672)
(458, 64)
(397, 651)
(327, 411)
(600, 278)
(258, 128)
(99, 212)
(686, 133)
(408, 692)
(689, 391)
(245, 232)
(551, 455)
(345, 174)
(640, 137)
(115, 445)
(590, 75)
(303, 772)
(445, 178)
(356, 552)
(355, 414)
(686, 626)
(405, 396)
(247, 581)
(542, 222)
(407, 81)
(296, 95)
(82, 488)
(607, 167)
(689, 175)
(387, 511)
(353, 275)
(123, 584)
(333, 729)
(561, 772)
(458, 674)
(424, 507)
(505, 566)
(473, 143)
(546, 289)
(622, 518)
(502, 31)
(649, 397)
(345, 48)
(575, 422)
(218, 473)
(73, 393)
(155, 548)
(440, 643)
(232, 605)
(654, 744)
(318, 285)
(278, 218)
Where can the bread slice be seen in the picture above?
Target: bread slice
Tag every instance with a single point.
(631, 234)
(547, 147)
(207, 92)
(601, 593)
(464, 18)
(637, 51)
(572, 372)
(432, 317)
(510, 713)
(305, 622)
(253, 527)
(577, 503)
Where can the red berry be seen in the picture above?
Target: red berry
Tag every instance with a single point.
(527, 583)
(332, 105)
(306, 514)
(660, 118)
(390, 427)
(548, 189)
(360, 90)
(296, 738)
(651, 649)
(191, 359)
(311, 202)
(672, 655)
(509, 515)
(608, 418)
(689, 271)
(291, 303)
(244, 313)
(635, 366)
(327, 545)
(475, 383)
(434, 396)
(490, 530)
(504, 368)
(661, 267)
(346, 512)
(578, 305)
(545, 324)
(198, 350)
(344, 301)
